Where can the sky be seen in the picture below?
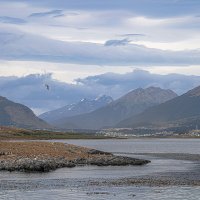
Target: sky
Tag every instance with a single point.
(74, 39)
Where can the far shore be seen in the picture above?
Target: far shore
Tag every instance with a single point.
(12, 133)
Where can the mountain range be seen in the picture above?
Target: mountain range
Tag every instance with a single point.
(18, 115)
(150, 108)
(182, 111)
(128, 105)
(81, 107)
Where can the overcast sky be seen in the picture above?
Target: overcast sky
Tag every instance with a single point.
(79, 38)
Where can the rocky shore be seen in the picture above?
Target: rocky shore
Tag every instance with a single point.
(47, 156)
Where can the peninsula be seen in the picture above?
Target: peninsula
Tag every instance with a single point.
(47, 156)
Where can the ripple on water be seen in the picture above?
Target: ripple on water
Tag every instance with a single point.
(101, 193)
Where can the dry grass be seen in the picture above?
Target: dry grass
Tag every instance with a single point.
(9, 150)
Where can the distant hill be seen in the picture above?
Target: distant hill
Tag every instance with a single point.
(182, 111)
(18, 115)
(81, 107)
(131, 104)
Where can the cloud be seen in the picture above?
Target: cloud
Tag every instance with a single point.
(117, 42)
(132, 35)
(25, 46)
(31, 91)
(52, 13)
(99, 21)
(151, 8)
(116, 85)
(11, 20)
(59, 15)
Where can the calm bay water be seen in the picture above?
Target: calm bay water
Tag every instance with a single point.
(75, 183)
(143, 145)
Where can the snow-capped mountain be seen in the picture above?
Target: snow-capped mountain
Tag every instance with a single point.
(81, 107)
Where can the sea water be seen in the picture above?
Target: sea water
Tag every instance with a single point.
(76, 183)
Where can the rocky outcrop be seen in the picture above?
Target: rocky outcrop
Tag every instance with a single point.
(36, 164)
(117, 161)
(48, 164)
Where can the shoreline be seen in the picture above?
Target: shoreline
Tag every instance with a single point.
(173, 156)
(162, 179)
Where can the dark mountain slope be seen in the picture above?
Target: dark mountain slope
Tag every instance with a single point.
(14, 114)
(175, 111)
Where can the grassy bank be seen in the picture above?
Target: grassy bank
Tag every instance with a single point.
(7, 133)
